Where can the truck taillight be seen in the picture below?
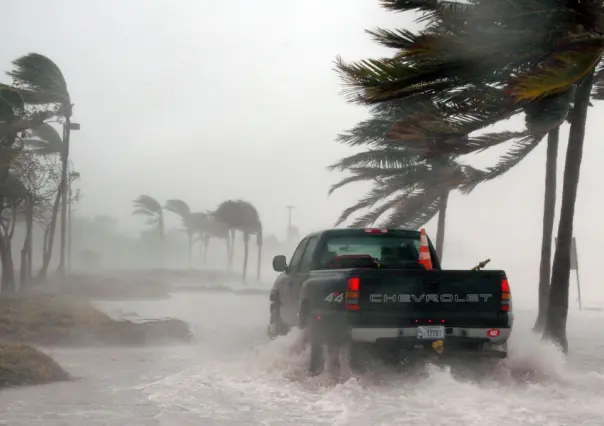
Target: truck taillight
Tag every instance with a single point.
(506, 296)
(352, 294)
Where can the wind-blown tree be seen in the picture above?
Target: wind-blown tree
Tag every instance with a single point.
(208, 227)
(45, 140)
(421, 178)
(145, 205)
(239, 215)
(538, 51)
(409, 190)
(42, 83)
(15, 118)
(182, 209)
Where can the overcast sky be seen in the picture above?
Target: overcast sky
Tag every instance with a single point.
(207, 101)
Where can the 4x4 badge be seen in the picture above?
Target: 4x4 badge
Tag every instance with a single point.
(335, 297)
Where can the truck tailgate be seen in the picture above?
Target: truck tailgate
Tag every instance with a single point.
(411, 296)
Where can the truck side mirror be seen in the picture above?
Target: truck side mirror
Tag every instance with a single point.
(280, 263)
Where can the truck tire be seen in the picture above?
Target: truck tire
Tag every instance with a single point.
(276, 326)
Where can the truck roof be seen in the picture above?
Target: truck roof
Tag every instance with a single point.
(353, 231)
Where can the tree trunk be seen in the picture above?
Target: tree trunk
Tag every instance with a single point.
(549, 210)
(440, 232)
(232, 248)
(25, 270)
(190, 250)
(557, 312)
(47, 256)
(246, 247)
(206, 246)
(259, 244)
(6, 285)
(30, 241)
(228, 247)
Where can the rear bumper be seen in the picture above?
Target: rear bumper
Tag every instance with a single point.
(408, 335)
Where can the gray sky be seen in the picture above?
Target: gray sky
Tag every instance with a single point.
(206, 101)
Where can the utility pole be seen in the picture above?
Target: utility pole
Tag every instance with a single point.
(289, 222)
(67, 128)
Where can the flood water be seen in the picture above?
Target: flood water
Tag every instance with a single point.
(232, 375)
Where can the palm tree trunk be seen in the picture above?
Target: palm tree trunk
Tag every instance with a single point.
(557, 312)
(259, 244)
(228, 247)
(549, 210)
(246, 244)
(232, 248)
(206, 246)
(440, 232)
(190, 250)
(49, 240)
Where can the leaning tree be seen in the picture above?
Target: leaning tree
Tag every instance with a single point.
(538, 53)
(239, 215)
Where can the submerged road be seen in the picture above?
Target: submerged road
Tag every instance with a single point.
(232, 375)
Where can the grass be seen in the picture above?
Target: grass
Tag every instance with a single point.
(46, 319)
(22, 365)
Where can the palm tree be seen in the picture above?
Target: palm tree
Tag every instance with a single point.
(43, 83)
(538, 55)
(241, 216)
(421, 178)
(182, 209)
(411, 191)
(146, 205)
(208, 227)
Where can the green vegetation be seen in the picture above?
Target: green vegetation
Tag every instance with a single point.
(472, 65)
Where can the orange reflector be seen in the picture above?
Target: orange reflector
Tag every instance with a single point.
(505, 296)
(352, 295)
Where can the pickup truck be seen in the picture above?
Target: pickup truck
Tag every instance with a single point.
(367, 290)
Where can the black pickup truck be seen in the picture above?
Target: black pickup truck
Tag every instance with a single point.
(366, 289)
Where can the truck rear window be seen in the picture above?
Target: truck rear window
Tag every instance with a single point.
(387, 250)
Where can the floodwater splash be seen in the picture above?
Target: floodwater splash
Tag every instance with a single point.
(267, 384)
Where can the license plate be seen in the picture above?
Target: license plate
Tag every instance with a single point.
(431, 333)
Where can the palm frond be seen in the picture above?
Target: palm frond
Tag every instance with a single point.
(148, 204)
(46, 140)
(178, 207)
(518, 152)
(374, 196)
(415, 210)
(41, 78)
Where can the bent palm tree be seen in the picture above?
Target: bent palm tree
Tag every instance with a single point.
(42, 82)
(182, 209)
(411, 190)
(241, 216)
(145, 205)
(209, 227)
(538, 54)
